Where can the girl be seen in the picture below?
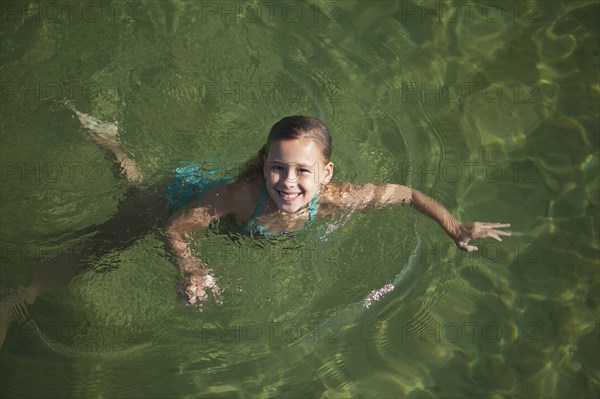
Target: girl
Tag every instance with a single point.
(285, 187)
(282, 189)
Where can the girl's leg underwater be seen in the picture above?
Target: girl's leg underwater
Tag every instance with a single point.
(106, 136)
(141, 211)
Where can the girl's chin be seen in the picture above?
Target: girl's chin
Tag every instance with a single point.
(289, 208)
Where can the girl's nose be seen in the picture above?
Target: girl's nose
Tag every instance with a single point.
(290, 175)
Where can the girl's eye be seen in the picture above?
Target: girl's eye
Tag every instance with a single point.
(300, 171)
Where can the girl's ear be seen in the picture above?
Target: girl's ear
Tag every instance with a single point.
(328, 173)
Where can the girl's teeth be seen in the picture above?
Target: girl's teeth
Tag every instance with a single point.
(289, 196)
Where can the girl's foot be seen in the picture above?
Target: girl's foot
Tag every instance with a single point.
(104, 134)
(13, 306)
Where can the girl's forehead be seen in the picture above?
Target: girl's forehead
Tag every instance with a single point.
(298, 149)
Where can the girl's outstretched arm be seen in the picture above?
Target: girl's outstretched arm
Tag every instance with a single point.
(460, 233)
(370, 195)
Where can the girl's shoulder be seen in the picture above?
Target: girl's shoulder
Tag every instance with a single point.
(241, 196)
(335, 195)
(244, 187)
(342, 192)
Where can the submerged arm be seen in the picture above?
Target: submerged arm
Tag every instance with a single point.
(197, 277)
(180, 228)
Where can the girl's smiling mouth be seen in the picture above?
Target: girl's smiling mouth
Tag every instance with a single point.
(289, 196)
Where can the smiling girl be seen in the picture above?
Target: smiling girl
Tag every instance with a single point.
(285, 187)
(280, 191)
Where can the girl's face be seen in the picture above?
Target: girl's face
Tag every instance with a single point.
(294, 171)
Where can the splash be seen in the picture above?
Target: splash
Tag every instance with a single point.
(376, 295)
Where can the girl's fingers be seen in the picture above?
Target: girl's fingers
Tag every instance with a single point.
(192, 299)
(494, 236)
(495, 225)
(217, 294)
(469, 248)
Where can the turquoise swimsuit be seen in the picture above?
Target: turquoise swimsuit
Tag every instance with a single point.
(190, 182)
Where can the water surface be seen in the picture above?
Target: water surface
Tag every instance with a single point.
(490, 109)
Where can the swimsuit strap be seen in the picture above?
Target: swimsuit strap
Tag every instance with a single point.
(258, 210)
(313, 206)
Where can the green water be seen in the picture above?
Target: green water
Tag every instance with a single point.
(490, 109)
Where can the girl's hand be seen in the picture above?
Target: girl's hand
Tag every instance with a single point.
(194, 287)
(473, 231)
